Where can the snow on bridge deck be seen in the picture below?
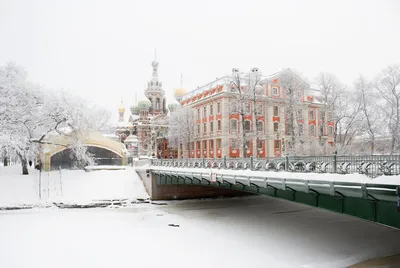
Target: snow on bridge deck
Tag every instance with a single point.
(345, 178)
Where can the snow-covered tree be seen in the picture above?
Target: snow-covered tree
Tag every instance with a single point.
(293, 85)
(370, 112)
(245, 91)
(28, 114)
(388, 85)
(181, 129)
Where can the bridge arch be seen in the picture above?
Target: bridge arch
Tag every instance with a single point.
(107, 151)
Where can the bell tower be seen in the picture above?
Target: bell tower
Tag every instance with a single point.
(155, 93)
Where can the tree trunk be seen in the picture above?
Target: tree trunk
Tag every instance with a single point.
(244, 138)
(24, 164)
(5, 161)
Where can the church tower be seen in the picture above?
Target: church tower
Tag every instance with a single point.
(155, 93)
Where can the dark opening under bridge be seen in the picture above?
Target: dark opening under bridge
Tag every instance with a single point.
(314, 181)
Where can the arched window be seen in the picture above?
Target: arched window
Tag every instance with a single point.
(234, 126)
(247, 126)
(301, 130)
(219, 125)
(312, 130)
(211, 126)
(276, 127)
(330, 130)
(157, 104)
(260, 126)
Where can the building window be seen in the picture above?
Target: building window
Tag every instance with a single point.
(198, 145)
(198, 114)
(311, 115)
(275, 91)
(219, 144)
(259, 126)
(204, 145)
(301, 130)
(211, 126)
(234, 126)
(300, 114)
(276, 111)
(198, 129)
(330, 130)
(234, 144)
(233, 107)
(328, 116)
(260, 109)
(322, 116)
(211, 109)
(219, 125)
(247, 146)
(211, 145)
(219, 107)
(276, 127)
(205, 111)
(247, 126)
(205, 128)
(277, 145)
(157, 104)
(312, 130)
(247, 108)
(259, 144)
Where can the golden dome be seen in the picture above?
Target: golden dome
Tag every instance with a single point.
(121, 109)
(179, 92)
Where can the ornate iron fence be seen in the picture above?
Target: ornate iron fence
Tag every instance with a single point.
(371, 165)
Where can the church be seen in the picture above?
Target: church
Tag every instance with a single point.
(145, 132)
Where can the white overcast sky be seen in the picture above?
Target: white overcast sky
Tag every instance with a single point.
(103, 49)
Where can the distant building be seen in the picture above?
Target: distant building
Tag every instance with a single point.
(144, 133)
(219, 124)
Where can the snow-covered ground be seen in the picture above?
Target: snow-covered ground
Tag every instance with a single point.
(238, 232)
(68, 186)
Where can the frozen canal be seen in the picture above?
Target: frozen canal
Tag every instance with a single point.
(239, 232)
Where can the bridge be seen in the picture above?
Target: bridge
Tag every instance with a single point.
(366, 187)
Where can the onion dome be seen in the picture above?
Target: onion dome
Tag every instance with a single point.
(179, 93)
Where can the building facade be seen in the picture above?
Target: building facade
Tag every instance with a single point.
(247, 114)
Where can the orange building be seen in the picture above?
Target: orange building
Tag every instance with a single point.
(255, 124)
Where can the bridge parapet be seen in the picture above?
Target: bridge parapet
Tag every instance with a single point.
(370, 165)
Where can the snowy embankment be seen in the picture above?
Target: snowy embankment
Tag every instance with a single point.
(354, 178)
(68, 186)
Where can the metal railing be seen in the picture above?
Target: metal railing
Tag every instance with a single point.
(371, 165)
(73, 164)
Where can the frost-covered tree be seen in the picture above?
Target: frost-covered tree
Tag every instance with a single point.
(181, 129)
(342, 108)
(245, 92)
(28, 114)
(293, 85)
(388, 85)
(370, 113)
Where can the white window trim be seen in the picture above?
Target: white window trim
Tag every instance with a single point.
(272, 91)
